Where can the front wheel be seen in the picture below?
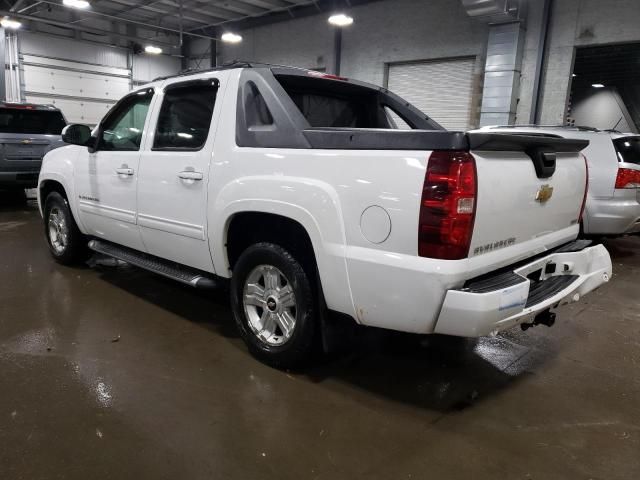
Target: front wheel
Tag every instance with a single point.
(273, 306)
(66, 243)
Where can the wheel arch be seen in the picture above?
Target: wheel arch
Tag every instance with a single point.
(279, 220)
(57, 183)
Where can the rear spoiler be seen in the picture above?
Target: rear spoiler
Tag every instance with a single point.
(540, 148)
(514, 142)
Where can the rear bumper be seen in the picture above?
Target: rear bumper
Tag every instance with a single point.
(496, 304)
(22, 179)
(618, 215)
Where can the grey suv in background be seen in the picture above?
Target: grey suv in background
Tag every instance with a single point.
(27, 132)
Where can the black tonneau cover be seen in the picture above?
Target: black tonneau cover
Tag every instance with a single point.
(383, 139)
(380, 139)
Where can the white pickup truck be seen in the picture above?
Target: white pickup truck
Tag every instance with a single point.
(301, 189)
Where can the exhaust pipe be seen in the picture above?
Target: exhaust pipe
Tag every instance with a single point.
(546, 317)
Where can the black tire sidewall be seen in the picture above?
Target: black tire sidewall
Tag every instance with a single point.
(299, 346)
(76, 248)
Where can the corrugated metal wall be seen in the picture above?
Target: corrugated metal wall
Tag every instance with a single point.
(146, 67)
(442, 89)
(82, 79)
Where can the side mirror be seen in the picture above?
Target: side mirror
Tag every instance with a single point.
(76, 134)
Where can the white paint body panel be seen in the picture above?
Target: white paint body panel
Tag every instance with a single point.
(381, 283)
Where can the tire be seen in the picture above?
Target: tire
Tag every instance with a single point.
(274, 307)
(67, 244)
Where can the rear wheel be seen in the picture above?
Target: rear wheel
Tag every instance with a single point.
(66, 243)
(273, 305)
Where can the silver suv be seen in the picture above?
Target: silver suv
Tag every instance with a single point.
(27, 132)
(613, 201)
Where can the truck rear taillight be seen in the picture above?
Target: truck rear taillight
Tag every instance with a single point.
(448, 206)
(628, 178)
(586, 189)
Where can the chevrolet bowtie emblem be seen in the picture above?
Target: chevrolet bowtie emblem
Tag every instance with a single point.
(26, 141)
(545, 192)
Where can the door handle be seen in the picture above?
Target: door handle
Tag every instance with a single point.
(190, 175)
(124, 170)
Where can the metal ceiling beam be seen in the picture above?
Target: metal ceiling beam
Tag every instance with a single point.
(288, 10)
(93, 31)
(16, 5)
(303, 8)
(155, 9)
(136, 22)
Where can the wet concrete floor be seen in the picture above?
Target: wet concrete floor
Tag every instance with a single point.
(116, 373)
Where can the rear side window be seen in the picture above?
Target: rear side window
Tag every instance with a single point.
(185, 116)
(37, 122)
(628, 149)
(330, 103)
(333, 104)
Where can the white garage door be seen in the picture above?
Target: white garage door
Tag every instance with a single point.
(81, 79)
(83, 92)
(442, 89)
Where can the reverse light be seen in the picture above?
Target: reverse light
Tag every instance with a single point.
(628, 178)
(447, 206)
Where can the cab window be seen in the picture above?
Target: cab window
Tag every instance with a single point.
(185, 116)
(122, 128)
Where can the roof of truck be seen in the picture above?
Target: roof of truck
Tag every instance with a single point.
(231, 66)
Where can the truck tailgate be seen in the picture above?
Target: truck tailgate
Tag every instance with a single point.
(529, 188)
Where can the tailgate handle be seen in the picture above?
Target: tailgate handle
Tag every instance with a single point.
(544, 161)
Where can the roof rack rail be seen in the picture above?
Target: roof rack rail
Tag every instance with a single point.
(191, 71)
(226, 66)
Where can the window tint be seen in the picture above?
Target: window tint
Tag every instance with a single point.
(334, 104)
(41, 122)
(628, 149)
(330, 103)
(122, 128)
(257, 111)
(185, 117)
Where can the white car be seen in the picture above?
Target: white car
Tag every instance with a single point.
(295, 186)
(613, 202)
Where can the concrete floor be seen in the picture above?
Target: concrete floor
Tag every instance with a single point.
(177, 396)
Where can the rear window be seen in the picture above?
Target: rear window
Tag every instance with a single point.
(14, 120)
(628, 149)
(334, 104)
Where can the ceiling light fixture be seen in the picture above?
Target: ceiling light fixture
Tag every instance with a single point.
(6, 22)
(573, 75)
(81, 4)
(340, 20)
(153, 50)
(597, 85)
(230, 37)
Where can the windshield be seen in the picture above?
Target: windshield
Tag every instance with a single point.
(628, 149)
(14, 120)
